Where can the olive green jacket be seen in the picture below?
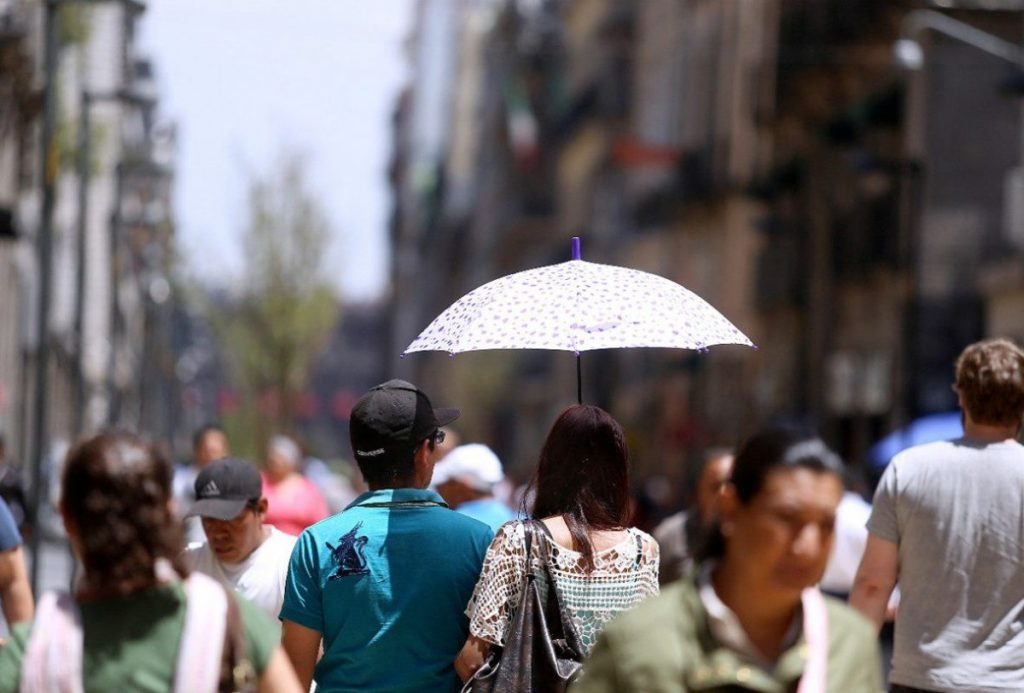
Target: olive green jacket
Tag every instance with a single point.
(665, 645)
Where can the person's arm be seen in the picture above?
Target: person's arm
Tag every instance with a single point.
(279, 676)
(302, 645)
(15, 592)
(472, 657)
(876, 577)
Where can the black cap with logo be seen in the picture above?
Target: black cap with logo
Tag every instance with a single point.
(393, 416)
(224, 488)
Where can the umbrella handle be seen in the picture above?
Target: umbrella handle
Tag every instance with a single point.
(576, 248)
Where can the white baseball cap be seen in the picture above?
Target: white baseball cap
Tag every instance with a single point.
(474, 464)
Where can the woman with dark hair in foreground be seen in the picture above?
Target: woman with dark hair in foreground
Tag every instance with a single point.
(750, 617)
(600, 566)
(135, 622)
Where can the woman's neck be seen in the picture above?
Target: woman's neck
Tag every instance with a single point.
(765, 617)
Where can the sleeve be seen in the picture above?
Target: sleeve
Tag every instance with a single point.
(11, 656)
(651, 567)
(498, 590)
(883, 522)
(303, 597)
(260, 635)
(10, 538)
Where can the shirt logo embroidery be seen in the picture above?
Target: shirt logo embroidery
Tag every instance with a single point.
(349, 555)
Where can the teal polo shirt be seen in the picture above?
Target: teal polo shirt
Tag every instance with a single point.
(386, 582)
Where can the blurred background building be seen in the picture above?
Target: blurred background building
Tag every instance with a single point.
(109, 234)
(858, 218)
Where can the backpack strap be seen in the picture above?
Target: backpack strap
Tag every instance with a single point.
(53, 656)
(202, 639)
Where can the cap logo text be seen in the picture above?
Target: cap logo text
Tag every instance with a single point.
(370, 453)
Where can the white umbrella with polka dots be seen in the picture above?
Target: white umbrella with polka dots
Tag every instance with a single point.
(578, 306)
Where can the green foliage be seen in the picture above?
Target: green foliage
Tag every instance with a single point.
(272, 334)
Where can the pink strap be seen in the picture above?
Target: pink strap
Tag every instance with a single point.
(816, 637)
(202, 639)
(53, 656)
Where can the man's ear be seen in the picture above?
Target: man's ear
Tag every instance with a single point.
(261, 507)
(423, 462)
(728, 504)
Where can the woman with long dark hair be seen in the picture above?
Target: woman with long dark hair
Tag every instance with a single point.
(137, 621)
(750, 617)
(599, 565)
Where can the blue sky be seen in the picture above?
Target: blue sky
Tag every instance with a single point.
(245, 79)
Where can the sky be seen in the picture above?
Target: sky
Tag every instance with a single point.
(245, 80)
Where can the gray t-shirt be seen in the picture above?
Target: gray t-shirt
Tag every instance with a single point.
(956, 510)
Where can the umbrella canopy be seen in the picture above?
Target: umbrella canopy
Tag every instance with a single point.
(578, 306)
(927, 429)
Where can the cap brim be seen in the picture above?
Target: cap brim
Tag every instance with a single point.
(445, 416)
(217, 508)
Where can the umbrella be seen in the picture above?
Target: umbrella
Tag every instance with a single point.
(578, 306)
(927, 429)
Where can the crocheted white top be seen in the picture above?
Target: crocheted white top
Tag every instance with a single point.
(623, 575)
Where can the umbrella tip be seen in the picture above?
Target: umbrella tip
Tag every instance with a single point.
(402, 355)
(576, 248)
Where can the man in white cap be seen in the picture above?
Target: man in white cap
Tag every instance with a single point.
(466, 478)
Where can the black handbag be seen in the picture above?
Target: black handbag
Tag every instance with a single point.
(543, 651)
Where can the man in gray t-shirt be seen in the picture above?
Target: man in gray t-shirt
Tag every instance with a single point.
(948, 521)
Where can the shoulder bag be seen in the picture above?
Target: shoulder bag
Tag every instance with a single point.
(542, 649)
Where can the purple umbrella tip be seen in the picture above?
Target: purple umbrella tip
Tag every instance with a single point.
(451, 354)
(576, 248)
(402, 355)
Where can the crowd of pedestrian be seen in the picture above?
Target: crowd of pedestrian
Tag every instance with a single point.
(220, 576)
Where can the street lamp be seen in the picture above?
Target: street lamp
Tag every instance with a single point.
(86, 100)
(909, 55)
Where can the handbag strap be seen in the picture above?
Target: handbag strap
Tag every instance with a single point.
(559, 620)
(237, 671)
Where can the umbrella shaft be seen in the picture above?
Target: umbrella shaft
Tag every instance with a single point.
(579, 381)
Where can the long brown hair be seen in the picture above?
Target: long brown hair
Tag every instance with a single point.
(116, 491)
(583, 475)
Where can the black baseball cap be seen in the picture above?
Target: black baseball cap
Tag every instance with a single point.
(392, 416)
(224, 488)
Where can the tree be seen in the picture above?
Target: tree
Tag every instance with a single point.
(272, 333)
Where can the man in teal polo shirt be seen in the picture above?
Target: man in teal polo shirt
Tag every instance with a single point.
(384, 584)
